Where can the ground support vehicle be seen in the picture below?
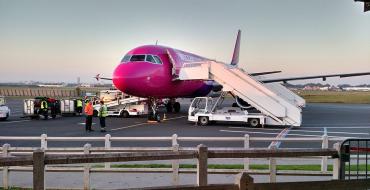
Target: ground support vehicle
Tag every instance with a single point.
(69, 107)
(132, 106)
(32, 108)
(4, 109)
(204, 110)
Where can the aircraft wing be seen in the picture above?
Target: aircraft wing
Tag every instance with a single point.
(264, 73)
(97, 77)
(314, 77)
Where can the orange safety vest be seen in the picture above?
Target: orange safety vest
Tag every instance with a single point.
(89, 110)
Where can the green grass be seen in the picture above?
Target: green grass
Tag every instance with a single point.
(351, 97)
(308, 167)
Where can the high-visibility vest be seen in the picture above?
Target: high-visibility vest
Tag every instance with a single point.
(103, 111)
(44, 105)
(89, 110)
(79, 103)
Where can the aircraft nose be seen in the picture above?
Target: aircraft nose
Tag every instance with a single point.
(120, 77)
(135, 78)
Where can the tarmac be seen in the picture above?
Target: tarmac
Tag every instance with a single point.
(335, 120)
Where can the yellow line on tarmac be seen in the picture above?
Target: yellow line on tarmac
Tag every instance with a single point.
(146, 123)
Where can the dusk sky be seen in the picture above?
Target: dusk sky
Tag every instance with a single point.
(56, 41)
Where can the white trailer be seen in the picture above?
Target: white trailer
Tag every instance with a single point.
(67, 107)
(204, 110)
(4, 109)
(132, 106)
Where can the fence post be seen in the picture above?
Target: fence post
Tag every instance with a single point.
(272, 166)
(175, 163)
(324, 160)
(6, 168)
(246, 147)
(44, 142)
(202, 165)
(39, 169)
(107, 144)
(244, 181)
(87, 168)
(336, 162)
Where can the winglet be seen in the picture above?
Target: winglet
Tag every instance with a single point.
(97, 77)
(235, 59)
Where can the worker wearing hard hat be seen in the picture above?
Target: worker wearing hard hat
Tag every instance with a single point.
(103, 113)
(89, 111)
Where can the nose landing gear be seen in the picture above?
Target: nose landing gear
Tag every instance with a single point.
(153, 114)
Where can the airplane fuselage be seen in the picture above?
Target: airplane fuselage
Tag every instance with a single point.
(141, 74)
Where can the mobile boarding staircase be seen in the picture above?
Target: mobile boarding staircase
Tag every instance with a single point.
(280, 105)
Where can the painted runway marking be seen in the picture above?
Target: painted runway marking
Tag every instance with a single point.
(83, 123)
(115, 129)
(351, 127)
(282, 134)
(139, 124)
(299, 130)
(302, 135)
(334, 125)
(15, 121)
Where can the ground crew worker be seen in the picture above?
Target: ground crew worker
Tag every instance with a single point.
(103, 113)
(79, 106)
(44, 109)
(89, 111)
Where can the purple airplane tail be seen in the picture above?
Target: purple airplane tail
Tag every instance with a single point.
(235, 59)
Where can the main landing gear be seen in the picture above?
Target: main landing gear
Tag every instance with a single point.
(172, 105)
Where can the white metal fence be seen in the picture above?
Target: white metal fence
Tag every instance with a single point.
(8, 150)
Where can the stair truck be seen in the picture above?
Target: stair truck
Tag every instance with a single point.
(204, 110)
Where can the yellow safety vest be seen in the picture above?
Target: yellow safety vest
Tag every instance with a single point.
(103, 111)
(79, 103)
(44, 105)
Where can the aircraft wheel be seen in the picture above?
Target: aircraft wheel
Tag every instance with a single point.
(203, 120)
(176, 107)
(157, 117)
(254, 122)
(169, 107)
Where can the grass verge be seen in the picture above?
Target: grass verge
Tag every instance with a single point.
(352, 97)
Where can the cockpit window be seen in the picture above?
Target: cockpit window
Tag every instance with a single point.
(137, 58)
(126, 58)
(149, 58)
(157, 60)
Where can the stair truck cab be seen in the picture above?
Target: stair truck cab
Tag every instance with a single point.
(204, 110)
(4, 109)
